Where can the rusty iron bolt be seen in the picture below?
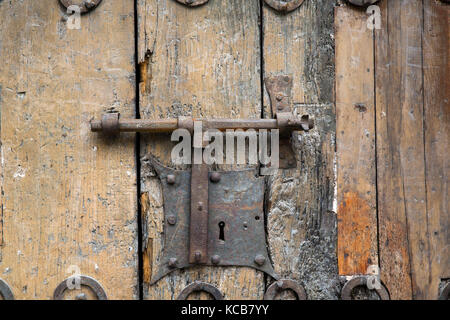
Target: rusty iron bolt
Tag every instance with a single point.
(215, 177)
(260, 260)
(81, 296)
(215, 259)
(173, 262)
(170, 179)
(172, 220)
(197, 256)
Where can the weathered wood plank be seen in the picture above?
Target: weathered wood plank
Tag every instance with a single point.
(200, 62)
(355, 139)
(301, 221)
(436, 52)
(69, 197)
(403, 226)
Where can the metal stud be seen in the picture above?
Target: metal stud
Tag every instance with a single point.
(173, 262)
(215, 259)
(197, 256)
(170, 179)
(215, 177)
(172, 220)
(260, 260)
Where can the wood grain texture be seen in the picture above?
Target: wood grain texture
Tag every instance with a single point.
(436, 69)
(202, 62)
(300, 43)
(355, 138)
(68, 196)
(402, 209)
(301, 221)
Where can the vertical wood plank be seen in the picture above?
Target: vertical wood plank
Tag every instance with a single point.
(68, 196)
(201, 62)
(403, 222)
(355, 138)
(301, 221)
(436, 68)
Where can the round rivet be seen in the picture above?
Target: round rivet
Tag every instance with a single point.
(215, 259)
(172, 220)
(260, 260)
(81, 296)
(173, 262)
(280, 284)
(89, 4)
(170, 179)
(215, 177)
(200, 206)
(197, 256)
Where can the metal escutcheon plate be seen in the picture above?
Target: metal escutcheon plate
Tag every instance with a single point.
(236, 234)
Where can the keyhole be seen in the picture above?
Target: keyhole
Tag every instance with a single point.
(221, 231)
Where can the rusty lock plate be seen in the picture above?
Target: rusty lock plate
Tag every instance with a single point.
(236, 234)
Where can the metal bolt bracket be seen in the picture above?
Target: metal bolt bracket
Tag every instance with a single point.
(5, 291)
(96, 287)
(85, 6)
(284, 5)
(200, 286)
(357, 281)
(279, 88)
(285, 284)
(192, 3)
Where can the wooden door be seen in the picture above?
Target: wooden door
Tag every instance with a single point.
(212, 61)
(369, 182)
(68, 196)
(392, 102)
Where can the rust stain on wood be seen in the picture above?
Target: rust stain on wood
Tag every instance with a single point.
(355, 139)
(354, 237)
